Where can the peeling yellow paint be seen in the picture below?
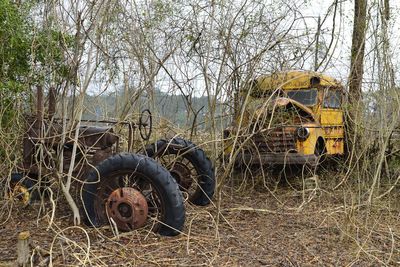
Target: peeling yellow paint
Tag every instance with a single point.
(324, 123)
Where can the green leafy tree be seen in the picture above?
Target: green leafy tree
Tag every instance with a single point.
(28, 55)
(14, 47)
(14, 57)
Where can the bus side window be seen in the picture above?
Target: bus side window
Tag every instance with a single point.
(332, 98)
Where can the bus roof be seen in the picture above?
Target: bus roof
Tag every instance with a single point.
(295, 79)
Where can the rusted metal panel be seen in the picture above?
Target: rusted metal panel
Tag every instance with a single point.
(102, 137)
(335, 146)
(275, 140)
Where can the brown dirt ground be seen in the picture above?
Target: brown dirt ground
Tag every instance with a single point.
(287, 227)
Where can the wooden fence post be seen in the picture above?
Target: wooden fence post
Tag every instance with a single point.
(23, 249)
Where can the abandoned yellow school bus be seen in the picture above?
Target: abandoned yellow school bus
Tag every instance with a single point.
(292, 117)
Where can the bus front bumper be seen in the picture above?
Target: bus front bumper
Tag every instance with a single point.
(275, 159)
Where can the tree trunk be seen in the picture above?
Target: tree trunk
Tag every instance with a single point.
(355, 78)
(357, 51)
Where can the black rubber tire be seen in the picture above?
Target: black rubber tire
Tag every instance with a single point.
(320, 151)
(167, 189)
(197, 157)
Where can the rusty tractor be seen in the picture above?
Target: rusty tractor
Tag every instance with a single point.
(125, 189)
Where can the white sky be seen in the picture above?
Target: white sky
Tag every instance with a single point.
(344, 20)
(339, 67)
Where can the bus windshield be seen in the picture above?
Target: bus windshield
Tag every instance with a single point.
(305, 97)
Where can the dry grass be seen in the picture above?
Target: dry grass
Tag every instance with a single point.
(259, 228)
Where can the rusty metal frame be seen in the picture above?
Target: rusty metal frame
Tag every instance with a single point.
(46, 130)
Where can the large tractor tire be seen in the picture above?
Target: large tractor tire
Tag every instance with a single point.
(131, 191)
(189, 165)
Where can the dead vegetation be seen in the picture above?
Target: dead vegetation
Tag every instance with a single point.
(294, 225)
(345, 213)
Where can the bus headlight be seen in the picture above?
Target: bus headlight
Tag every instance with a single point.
(302, 133)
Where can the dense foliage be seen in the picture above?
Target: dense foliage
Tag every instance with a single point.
(14, 57)
(28, 56)
(14, 47)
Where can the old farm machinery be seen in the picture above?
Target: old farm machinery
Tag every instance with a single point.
(128, 190)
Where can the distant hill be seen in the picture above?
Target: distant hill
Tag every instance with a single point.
(168, 106)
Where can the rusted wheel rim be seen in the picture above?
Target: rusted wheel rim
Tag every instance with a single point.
(128, 208)
(20, 194)
(183, 171)
(138, 181)
(182, 174)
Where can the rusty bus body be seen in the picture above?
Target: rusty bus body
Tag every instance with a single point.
(292, 117)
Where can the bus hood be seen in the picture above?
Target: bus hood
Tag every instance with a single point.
(286, 102)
